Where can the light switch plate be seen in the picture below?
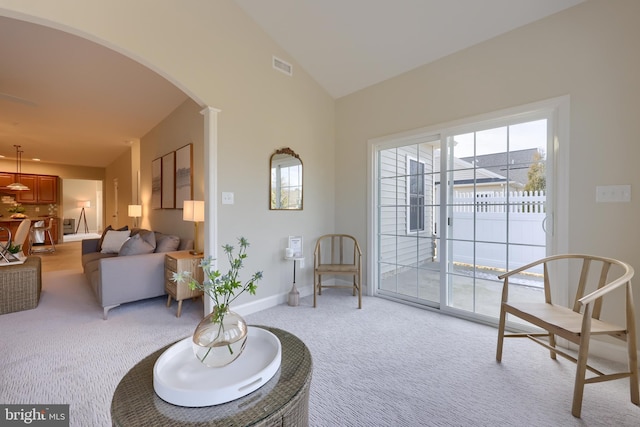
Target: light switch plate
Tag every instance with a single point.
(613, 193)
(227, 198)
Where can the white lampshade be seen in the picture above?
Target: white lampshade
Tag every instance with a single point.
(135, 211)
(193, 210)
(84, 203)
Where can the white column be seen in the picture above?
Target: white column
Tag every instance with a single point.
(210, 189)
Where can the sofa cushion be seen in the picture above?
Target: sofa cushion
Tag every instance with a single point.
(166, 242)
(104, 233)
(113, 241)
(92, 256)
(141, 243)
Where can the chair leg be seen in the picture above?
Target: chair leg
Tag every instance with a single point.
(53, 245)
(632, 348)
(583, 355)
(633, 368)
(552, 343)
(581, 371)
(315, 288)
(501, 325)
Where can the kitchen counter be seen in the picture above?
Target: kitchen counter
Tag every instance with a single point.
(13, 223)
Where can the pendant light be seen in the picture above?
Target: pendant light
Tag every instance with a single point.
(17, 186)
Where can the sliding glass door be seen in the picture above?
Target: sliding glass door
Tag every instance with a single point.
(408, 267)
(495, 209)
(455, 207)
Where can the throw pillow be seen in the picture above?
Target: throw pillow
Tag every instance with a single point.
(136, 245)
(113, 241)
(166, 242)
(149, 237)
(104, 233)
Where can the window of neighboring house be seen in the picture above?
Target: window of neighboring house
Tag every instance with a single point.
(415, 195)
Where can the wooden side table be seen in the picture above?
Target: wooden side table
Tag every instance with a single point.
(176, 262)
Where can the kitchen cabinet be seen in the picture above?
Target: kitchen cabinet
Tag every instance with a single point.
(47, 189)
(30, 195)
(42, 189)
(6, 179)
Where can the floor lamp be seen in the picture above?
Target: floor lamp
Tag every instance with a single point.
(193, 210)
(83, 215)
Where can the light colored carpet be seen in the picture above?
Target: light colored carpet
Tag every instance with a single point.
(384, 365)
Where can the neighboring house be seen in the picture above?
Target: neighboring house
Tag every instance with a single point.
(407, 185)
(516, 165)
(410, 183)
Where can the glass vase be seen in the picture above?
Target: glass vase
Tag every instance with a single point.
(220, 338)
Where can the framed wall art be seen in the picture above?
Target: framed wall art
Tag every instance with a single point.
(184, 175)
(156, 183)
(295, 244)
(169, 181)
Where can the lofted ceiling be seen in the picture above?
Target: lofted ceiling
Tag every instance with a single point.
(67, 100)
(347, 45)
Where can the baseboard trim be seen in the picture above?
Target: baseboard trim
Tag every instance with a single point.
(265, 303)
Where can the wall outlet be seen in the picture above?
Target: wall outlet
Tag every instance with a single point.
(227, 198)
(302, 263)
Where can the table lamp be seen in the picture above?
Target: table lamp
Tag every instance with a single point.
(135, 211)
(193, 210)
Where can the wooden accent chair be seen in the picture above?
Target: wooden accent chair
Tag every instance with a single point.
(582, 321)
(337, 255)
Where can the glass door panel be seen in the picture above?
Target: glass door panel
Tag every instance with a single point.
(407, 264)
(456, 210)
(495, 209)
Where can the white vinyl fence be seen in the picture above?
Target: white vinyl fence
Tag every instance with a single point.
(516, 218)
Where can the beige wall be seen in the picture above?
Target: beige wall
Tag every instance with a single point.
(116, 206)
(63, 171)
(587, 52)
(75, 190)
(217, 54)
(183, 126)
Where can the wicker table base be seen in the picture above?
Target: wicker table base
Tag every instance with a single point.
(20, 285)
(283, 401)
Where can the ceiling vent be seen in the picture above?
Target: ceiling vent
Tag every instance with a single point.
(282, 66)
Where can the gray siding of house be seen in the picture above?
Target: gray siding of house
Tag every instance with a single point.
(399, 247)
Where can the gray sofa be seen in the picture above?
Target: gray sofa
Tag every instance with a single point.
(117, 278)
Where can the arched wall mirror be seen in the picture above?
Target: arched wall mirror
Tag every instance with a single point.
(285, 192)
